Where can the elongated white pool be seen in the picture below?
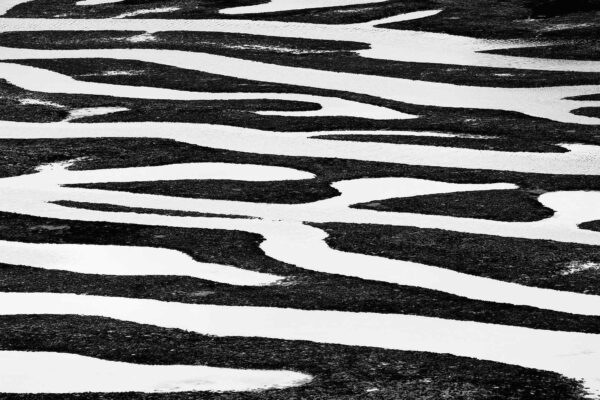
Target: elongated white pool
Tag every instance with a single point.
(544, 102)
(572, 354)
(287, 5)
(61, 373)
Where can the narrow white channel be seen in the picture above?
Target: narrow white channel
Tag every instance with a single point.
(45, 81)
(579, 160)
(171, 172)
(287, 5)
(572, 354)
(575, 355)
(289, 240)
(125, 261)
(387, 44)
(544, 102)
(96, 2)
(61, 373)
(157, 10)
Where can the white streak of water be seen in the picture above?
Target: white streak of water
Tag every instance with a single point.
(544, 102)
(287, 239)
(574, 355)
(387, 44)
(41, 80)
(579, 160)
(45, 372)
(95, 2)
(125, 261)
(287, 5)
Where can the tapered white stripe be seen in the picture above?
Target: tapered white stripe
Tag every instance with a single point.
(575, 355)
(46, 372)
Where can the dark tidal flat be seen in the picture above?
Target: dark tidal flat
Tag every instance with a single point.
(287, 199)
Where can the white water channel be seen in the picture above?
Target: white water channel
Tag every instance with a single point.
(125, 260)
(146, 261)
(387, 44)
(575, 355)
(287, 5)
(546, 102)
(579, 160)
(96, 2)
(267, 7)
(46, 372)
(41, 80)
(287, 238)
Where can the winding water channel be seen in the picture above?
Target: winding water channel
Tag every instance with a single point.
(285, 228)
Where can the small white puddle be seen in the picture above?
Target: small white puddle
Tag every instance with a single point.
(209, 170)
(577, 267)
(278, 49)
(92, 111)
(118, 73)
(45, 372)
(144, 37)
(96, 2)
(147, 11)
(36, 102)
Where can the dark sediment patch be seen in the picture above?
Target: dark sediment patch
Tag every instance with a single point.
(512, 19)
(593, 112)
(539, 263)
(551, 8)
(302, 289)
(499, 205)
(479, 142)
(286, 192)
(579, 50)
(591, 225)
(590, 97)
(137, 210)
(347, 372)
